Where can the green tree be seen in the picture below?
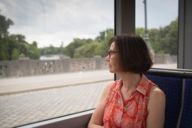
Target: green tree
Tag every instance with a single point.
(171, 38)
(164, 40)
(154, 39)
(15, 54)
(18, 41)
(33, 51)
(14, 45)
(76, 43)
(4, 43)
(4, 55)
(89, 47)
(51, 50)
(103, 38)
(4, 26)
(87, 50)
(140, 31)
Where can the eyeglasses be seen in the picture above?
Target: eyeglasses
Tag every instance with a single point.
(110, 52)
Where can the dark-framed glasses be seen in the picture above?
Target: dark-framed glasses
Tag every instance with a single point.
(110, 52)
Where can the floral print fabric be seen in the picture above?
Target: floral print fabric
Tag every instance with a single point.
(128, 113)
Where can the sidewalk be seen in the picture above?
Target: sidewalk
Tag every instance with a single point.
(24, 108)
(35, 98)
(33, 83)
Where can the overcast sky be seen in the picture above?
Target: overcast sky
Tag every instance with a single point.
(51, 22)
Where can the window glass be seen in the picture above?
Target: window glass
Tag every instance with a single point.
(52, 57)
(157, 22)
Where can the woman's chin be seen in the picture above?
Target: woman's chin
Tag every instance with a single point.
(111, 71)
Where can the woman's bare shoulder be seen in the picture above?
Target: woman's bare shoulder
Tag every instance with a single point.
(107, 89)
(156, 92)
(157, 96)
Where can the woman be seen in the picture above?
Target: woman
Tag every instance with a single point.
(133, 101)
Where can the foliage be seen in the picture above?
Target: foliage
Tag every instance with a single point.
(140, 32)
(4, 25)
(51, 50)
(14, 46)
(4, 49)
(163, 40)
(33, 51)
(74, 45)
(104, 38)
(89, 47)
(87, 50)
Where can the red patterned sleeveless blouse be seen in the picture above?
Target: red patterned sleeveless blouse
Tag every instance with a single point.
(128, 113)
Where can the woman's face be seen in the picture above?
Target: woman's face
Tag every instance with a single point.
(112, 59)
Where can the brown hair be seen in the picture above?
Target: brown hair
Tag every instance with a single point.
(134, 53)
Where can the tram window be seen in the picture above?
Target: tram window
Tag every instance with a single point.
(52, 57)
(157, 22)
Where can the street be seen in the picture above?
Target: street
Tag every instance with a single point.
(22, 106)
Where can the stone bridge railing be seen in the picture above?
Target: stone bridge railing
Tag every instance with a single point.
(19, 68)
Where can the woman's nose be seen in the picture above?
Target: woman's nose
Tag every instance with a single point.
(107, 58)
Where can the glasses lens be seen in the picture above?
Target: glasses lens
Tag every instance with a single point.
(110, 52)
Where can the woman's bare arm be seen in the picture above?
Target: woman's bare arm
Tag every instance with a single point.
(96, 120)
(156, 109)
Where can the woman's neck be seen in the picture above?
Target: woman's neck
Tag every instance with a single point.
(130, 80)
